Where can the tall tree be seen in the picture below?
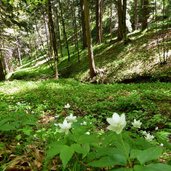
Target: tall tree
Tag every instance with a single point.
(135, 15)
(58, 30)
(2, 75)
(84, 39)
(52, 38)
(89, 40)
(145, 13)
(121, 9)
(74, 11)
(99, 15)
(64, 30)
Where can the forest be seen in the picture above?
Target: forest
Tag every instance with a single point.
(85, 85)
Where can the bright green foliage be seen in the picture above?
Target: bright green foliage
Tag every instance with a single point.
(103, 150)
(23, 106)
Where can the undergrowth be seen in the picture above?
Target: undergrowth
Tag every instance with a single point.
(29, 109)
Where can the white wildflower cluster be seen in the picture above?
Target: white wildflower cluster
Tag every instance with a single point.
(67, 106)
(83, 123)
(148, 136)
(117, 124)
(136, 124)
(68, 121)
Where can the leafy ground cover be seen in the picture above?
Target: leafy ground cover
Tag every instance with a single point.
(29, 110)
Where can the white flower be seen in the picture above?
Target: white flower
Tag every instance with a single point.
(156, 128)
(136, 124)
(149, 137)
(71, 118)
(84, 123)
(87, 133)
(55, 124)
(67, 106)
(161, 145)
(117, 123)
(144, 132)
(65, 126)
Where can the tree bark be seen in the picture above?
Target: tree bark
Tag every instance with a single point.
(19, 51)
(124, 21)
(89, 40)
(120, 19)
(99, 20)
(64, 30)
(111, 20)
(58, 31)
(145, 14)
(76, 32)
(2, 75)
(53, 38)
(84, 39)
(135, 18)
(122, 30)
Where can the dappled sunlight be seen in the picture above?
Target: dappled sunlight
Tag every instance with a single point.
(14, 87)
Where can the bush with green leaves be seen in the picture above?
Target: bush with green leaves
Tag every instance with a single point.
(76, 144)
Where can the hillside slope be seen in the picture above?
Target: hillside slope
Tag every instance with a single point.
(141, 59)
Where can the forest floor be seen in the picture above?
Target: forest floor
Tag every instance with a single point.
(28, 109)
(140, 60)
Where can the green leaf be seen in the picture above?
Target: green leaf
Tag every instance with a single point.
(111, 152)
(149, 154)
(8, 127)
(81, 149)
(124, 148)
(134, 153)
(103, 162)
(140, 168)
(86, 148)
(66, 154)
(88, 139)
(159, 167)
(53, 150)
(122, 169)
(153, 167)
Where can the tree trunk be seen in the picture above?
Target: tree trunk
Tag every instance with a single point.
(145, 13)
(99, 20)
(122, 30)
(58, 32)
(135, 17)
(19, 51)
(111, 20)
(84, 39)
(49, 53)
(89, 41)
(124, 21)
(64, 30)
(76, 32)
(2, 75)
(120, 19)
(53, 38)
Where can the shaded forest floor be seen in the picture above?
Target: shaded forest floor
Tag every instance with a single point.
(29, 109)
